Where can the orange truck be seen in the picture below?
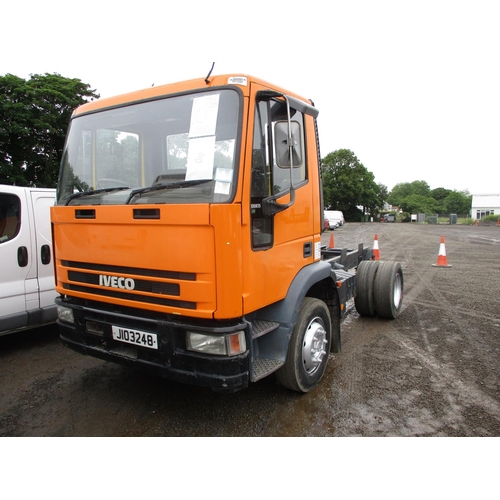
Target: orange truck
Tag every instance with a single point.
(187, 237)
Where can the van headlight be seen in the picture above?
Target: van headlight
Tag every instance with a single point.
(223, 345)
(65, 314)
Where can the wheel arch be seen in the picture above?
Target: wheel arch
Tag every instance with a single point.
(327, 291)
(316, 281)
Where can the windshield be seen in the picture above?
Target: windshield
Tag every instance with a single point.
(180, 149)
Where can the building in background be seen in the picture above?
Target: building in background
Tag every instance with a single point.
(485, 204)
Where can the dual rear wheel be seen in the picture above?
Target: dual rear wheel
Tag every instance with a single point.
(379, 289)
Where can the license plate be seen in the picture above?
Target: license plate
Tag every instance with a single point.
(135, 337)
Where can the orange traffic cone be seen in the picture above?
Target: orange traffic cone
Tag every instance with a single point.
(442, 260)
(498, 221)
(332, 241)
(376, 251)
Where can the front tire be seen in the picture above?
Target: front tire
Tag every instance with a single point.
(307, 354)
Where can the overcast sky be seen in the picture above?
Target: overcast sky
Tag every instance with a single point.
(411, 87)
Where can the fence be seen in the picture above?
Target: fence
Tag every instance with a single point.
(448, 219)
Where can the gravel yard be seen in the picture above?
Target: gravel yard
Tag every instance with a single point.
(434, 371)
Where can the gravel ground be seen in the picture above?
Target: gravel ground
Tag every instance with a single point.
(432, 372)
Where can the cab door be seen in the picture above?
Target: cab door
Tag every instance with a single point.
(282, 221)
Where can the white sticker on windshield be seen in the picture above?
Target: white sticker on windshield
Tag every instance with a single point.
(204, 115)
(224, 174)
(200, 160)
(222, 188)
(223, 178)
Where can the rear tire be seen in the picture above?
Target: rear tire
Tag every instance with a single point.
(308, 349)
(365, 281)
(388, 290)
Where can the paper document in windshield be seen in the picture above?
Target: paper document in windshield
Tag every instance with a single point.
(204, 116)
(200, 160)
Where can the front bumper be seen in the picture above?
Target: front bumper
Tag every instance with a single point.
(171, 360)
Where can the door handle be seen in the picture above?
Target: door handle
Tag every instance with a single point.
(22, 256)
(307, 249)
(45, 254)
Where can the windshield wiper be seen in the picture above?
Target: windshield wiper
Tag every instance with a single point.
(90, 192)
(160, 187)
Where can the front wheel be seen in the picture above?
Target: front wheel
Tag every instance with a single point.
(307, 354)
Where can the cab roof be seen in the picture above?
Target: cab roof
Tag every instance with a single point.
(240, 80)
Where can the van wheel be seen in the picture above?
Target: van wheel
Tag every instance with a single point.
(388, 290)
(365, 280)
(307, 354)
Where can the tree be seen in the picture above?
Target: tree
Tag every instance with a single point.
(382, 194)
(348, 185)
(34, 117)
(404, 189)
(440, 194)
(458, 202)
(417, 203)
(15, 122)
(414, 197)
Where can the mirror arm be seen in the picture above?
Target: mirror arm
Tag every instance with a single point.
(290, 141)
(271, 207)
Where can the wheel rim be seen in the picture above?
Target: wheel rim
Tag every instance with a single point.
(313, 347)
(398, 290)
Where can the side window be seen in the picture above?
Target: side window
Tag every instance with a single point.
(273, 171)
(10, 216)
(262, 227)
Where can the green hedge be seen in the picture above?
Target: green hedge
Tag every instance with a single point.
(492, 218)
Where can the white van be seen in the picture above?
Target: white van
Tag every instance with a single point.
(335, 218)
(26, 264)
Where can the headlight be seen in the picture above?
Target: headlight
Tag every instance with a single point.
(223, 345)
(65, 314)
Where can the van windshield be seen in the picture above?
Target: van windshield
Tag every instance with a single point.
(180, 149)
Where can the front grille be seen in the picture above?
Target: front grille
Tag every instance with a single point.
(79, 278)
(105, 292)
(140, 285)
(150, 273)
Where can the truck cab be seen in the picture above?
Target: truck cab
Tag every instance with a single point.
(27, 288)
(187, 234)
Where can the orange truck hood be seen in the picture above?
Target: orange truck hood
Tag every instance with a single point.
(165, 263)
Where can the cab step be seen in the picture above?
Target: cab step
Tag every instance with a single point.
(264, 366)
(260, 327)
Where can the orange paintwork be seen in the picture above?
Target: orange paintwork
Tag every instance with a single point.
(114, 238)
(173, 88)
(212, 241)
(267, 274)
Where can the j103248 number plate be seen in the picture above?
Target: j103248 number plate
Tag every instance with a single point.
(135, 337)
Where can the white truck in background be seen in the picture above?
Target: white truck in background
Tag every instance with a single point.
(26, 265)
